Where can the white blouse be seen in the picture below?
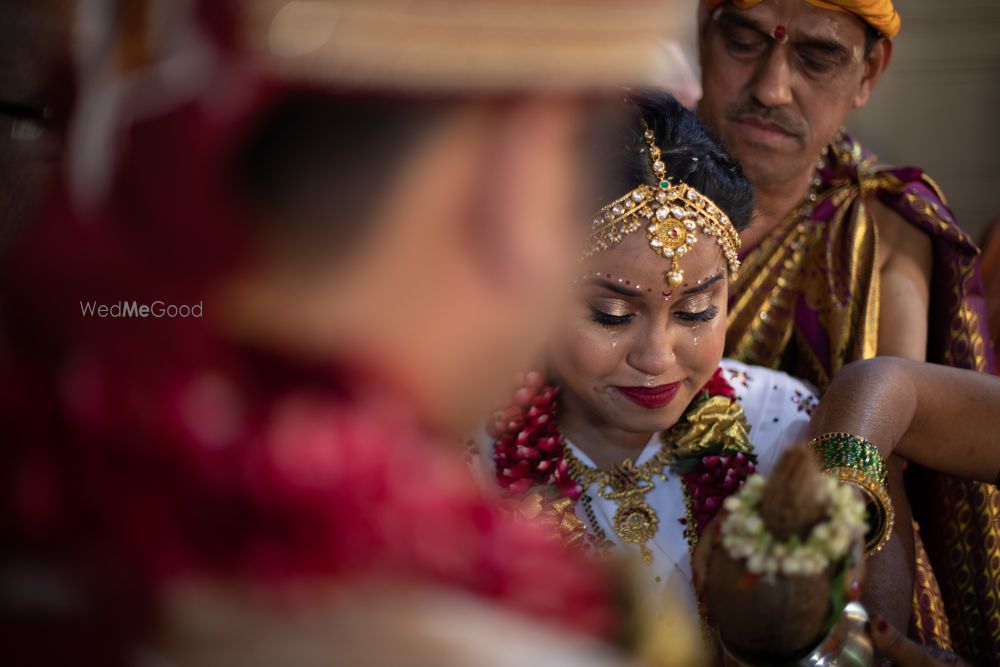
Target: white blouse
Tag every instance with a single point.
(777, 408)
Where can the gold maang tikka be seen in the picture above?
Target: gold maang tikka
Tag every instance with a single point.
(673, 215)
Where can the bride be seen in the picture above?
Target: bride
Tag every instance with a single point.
(638, 430)
(636, 360)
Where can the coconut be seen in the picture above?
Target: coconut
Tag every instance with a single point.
(769, 618)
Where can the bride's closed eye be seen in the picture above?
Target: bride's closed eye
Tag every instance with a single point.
(612, 313)
(697, 309)
(699, 317)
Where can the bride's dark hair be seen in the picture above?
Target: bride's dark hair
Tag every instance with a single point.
(691, 153)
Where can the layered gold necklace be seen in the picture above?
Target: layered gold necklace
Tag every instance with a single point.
(714, 426)
(627, 484)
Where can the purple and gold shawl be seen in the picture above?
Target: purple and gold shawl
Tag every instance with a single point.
(807, 301)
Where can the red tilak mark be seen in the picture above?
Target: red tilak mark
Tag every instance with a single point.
(607, 275)
(649, 289)
(628, 282)
(780, 33)
(666, 295)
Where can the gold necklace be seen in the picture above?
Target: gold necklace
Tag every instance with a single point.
(626, 484)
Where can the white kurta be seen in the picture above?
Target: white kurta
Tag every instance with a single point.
(777, 408)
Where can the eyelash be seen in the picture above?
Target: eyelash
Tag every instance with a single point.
(701, 316)
(609, 321)
(615, 321)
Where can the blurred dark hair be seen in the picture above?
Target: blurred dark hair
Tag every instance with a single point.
(315, 153)
(691, 153)
(872, 36)
(317, 164)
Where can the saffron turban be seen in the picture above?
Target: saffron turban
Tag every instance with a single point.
(879, 14)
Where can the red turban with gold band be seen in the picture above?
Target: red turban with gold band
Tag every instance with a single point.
(879, 14)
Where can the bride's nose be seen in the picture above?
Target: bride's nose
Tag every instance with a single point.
(653, 351)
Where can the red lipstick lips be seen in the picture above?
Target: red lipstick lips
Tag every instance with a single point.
(651, 397)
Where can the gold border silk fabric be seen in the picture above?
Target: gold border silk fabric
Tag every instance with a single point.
(807, 302)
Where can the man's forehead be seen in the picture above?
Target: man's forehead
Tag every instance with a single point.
(803, 20)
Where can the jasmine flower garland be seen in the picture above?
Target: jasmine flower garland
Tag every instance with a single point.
(746, 538)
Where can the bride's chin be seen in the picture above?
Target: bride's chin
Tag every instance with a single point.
(635, 421)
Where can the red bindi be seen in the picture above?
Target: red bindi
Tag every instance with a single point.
(780, 33)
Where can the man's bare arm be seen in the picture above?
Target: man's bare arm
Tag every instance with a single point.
(905, 257)
(945, 419)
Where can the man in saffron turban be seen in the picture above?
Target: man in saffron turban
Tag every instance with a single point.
(849, 259)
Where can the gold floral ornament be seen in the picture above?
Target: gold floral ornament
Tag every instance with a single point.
(674, 217)
(718, 420)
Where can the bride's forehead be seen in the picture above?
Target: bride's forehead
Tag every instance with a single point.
(633, 257)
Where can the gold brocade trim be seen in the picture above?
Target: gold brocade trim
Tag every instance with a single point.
(557, 515)
(930, 621)
(760, 321)
(716, 421)
(800, 262)
(962, 541)
(967, 345)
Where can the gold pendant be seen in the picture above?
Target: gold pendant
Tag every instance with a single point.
(636, 522)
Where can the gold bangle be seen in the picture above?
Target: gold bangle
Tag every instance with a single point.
(855, 461)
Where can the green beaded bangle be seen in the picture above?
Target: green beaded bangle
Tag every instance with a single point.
(843, 450)
(856, 461)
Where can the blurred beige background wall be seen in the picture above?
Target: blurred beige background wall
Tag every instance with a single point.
(938, 106)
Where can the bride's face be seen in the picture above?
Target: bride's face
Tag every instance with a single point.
(631, 351)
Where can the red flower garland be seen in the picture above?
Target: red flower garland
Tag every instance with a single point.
(713, 479)
(529, 448)
(530, 452)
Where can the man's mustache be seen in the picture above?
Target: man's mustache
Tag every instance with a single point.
(780, 118)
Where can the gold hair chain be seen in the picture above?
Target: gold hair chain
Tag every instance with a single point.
(674, 216)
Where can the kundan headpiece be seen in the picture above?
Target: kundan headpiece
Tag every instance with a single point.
(673, 215)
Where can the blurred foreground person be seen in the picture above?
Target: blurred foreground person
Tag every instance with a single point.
(848, 258)
(35, 93)
(229, 378)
